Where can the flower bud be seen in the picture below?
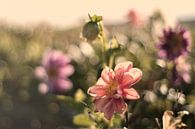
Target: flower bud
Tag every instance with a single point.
(90, 30)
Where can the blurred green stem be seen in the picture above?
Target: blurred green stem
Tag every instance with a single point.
(111, 61)
(103, 41)
(126, 120)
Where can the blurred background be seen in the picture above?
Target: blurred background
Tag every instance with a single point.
(29, 27)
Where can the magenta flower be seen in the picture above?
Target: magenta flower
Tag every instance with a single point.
(174, 43)
(55, 71)
(113, 87)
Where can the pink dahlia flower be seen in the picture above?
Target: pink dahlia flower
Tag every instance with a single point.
(55, 71)
(113, 87)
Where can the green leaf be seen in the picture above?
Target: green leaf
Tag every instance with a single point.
(95, 18)
(99, 18)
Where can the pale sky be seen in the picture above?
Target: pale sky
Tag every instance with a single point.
(69, 12)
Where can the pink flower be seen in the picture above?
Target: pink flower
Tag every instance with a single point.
(55, 71)
(134, 18)
(181, 71)
(113, 87)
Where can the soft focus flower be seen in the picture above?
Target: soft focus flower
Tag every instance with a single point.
(181, 71)
(55, 71)
(172, 122)
(174, 43)
(134, 18)
(113, 87)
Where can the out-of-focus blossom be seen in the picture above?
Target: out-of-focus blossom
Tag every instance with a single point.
(181, 70)
(171, 122)
(54, 72)
(134, 18)
(113, 87)
(174, 43)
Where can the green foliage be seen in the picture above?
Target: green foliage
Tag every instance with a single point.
(82, 120)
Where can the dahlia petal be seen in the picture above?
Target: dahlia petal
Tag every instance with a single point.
(97, 91)
(107, 74)
(43, 88)
(109, 111)
(109, 106)
(119, 73)
(101, 82)
(105, 105)
(127, 80)
(100, 103)
(120, 105)
(40, 73)
(124, 65)
(55, 58)
(60, 85)
(136, 75)
(66, 71)
(130, 94)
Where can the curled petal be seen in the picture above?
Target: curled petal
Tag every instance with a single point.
(136, 75)
(97, 91)
(130, 94)
(120, 105)
(108, 109)
(107, 75)
(125, 65)
(100, 103)
(119, 73)
(127, 80)
(109, 106)
(101, 82)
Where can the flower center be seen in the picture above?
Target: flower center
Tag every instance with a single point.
(176, 44)
(112, 88)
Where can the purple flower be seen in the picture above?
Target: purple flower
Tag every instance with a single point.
(54, 72)
(173, 43)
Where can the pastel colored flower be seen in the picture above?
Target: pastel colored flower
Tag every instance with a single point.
(174, 43)
(172, 122)
(181, 71)
(134, 18)
(113, 87)
(55, 71)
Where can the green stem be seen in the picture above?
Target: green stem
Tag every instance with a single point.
(111, 61)
(126, 120)
(103, 40)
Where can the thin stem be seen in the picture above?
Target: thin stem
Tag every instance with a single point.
(177, 101)
(103, 40)
(157, 123)
(126, 120)
(111, 61)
